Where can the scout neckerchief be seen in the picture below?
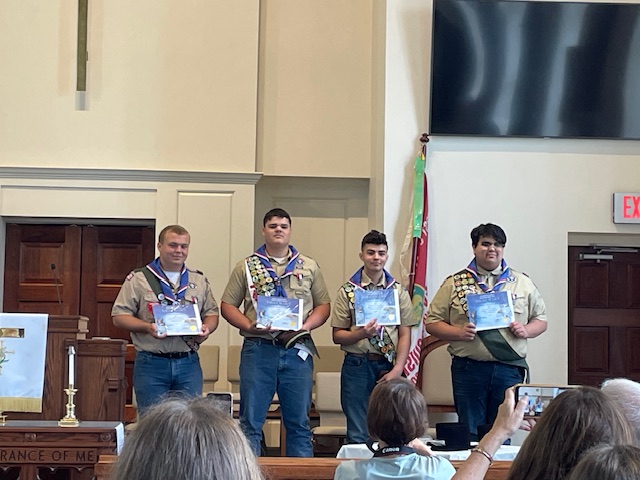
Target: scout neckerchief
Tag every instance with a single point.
(166, 287)
(381, 340)
(154, 271)
(262, 277)
(465, 282)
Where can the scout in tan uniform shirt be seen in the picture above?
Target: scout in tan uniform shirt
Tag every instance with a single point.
(485, 364)
(273, 361)
(373, 354)
(165, 363)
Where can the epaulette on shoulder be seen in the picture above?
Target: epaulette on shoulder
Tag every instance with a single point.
(307, 257)
(445, 280)
(199, 272)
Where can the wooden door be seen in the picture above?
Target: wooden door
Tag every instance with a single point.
(88, 262)
(109, 253)
(604, 317)
(42, 265)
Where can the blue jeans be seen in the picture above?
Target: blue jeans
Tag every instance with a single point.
(266, 368)
(155, 377)
(478, 390)
(358, 378)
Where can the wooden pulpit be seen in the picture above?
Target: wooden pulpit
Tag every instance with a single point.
(100, 377)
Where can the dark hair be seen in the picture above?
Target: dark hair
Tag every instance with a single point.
(575, 421)
(609, 462)
(177, 229)
(186, 438)
(374, 237)
(397, 412)
(488, 230)
(275, 212)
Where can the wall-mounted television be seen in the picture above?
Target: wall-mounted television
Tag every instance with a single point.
(535, 69)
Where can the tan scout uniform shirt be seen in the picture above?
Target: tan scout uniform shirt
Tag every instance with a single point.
(343, 315)
(310, 287)
(135, 298)
(528, 305)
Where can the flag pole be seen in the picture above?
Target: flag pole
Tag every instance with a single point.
(424, 139)
(417, 268)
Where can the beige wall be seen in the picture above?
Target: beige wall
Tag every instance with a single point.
(315, 100)
(171, 85)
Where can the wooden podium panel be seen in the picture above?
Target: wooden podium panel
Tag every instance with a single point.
(39, 449)
(100, 376)
(100, 379)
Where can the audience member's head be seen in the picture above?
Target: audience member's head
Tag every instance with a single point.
(575, 421)
(609, 462)
(626, 394)
(397, 412)
(186, 438)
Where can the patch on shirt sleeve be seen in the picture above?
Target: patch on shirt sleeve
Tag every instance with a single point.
(130, 276)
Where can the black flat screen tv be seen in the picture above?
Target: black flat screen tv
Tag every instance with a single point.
(535, 69)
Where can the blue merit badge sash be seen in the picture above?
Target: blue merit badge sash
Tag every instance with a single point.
(381, 340)
(468, 281)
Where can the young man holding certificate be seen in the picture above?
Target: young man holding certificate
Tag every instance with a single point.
(284, 297)
(169, 310)
(487, 312)
(371, 320)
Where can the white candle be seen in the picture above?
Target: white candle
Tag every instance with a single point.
(72, 357)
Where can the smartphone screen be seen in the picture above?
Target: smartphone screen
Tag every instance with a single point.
(223, 401)
(539, 396)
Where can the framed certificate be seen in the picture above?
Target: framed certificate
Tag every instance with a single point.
(490, 310)
(177, 319)
(381, 305)
(279, 313)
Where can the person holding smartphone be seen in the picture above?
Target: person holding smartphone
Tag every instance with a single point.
(486, 363)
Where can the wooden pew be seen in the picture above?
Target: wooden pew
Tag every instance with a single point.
(286, 468)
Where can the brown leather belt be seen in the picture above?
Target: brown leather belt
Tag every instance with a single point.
(372, 357)
(172, 354)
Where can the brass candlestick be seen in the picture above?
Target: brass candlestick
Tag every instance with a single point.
(70, 419)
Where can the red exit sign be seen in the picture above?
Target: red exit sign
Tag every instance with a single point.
(626, 208)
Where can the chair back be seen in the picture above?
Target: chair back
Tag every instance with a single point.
(436, 378)
(233, 367)
(436, 383)
(210, 362)
(327, 401)
(331, 358)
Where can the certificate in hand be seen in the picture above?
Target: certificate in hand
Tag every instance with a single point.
(279, 313)
(490, 310)
(177, 319)
(381, 305)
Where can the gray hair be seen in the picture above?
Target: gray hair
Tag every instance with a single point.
(186, 438)
(626, 394)
(608, 462)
